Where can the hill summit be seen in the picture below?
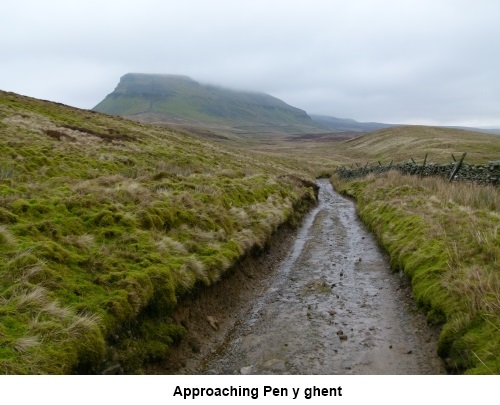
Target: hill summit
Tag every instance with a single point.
(175, 99)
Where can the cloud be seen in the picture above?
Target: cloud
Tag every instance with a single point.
(435, 61)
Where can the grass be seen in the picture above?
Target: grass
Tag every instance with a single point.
(400, 144)
(446, 239)
(397, 144)
(106, 223)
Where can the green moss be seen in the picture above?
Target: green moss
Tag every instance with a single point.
(21, 262)
(20, 206)
(6, 190)
(149, 219)
(53, 251)
(103, 218)
(164, 298)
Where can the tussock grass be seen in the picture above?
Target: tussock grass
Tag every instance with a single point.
(446, 239)
(6, 237)
(465, 196)
(25, 343)
(106, 223)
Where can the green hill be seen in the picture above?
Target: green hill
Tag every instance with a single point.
(405, 142)
(180, 100)
(105, 223)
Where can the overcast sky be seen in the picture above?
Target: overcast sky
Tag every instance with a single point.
(416, 61)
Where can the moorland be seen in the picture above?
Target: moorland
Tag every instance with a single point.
(106, 223)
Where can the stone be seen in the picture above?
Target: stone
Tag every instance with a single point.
(246, 370)
(214, 323)
(115, 369)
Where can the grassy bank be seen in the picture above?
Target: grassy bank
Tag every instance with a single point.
(105, 223)
(446, 238)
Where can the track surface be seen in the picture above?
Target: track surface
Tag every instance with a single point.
(332, 307)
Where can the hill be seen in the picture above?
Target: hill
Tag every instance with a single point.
(350, 125)
(322, 153)
(105, 223)
(405, 142)
(347, 124)
(172, 99)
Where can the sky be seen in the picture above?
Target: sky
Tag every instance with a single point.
(434, 62)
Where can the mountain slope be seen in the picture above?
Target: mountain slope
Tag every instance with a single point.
(180, 100)
(105, 223)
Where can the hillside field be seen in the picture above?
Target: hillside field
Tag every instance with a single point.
(105, 223)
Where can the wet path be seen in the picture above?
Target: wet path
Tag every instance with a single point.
(333, 308)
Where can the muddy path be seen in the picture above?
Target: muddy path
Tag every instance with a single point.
(331, 306)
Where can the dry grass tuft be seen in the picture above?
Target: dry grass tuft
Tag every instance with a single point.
(26, 343)
(193, 265)
(6, 237)
(54, 309)
(84, 242)
(467, 195)
(166, 245)
(82, 323)
(30, 298)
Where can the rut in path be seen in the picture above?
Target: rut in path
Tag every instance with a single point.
(333, 307)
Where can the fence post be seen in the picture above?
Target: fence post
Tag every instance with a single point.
(457, 167)
(423, 165)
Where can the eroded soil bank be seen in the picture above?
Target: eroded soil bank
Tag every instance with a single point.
(327, 304)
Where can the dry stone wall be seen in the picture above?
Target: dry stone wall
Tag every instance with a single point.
(483, 174)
